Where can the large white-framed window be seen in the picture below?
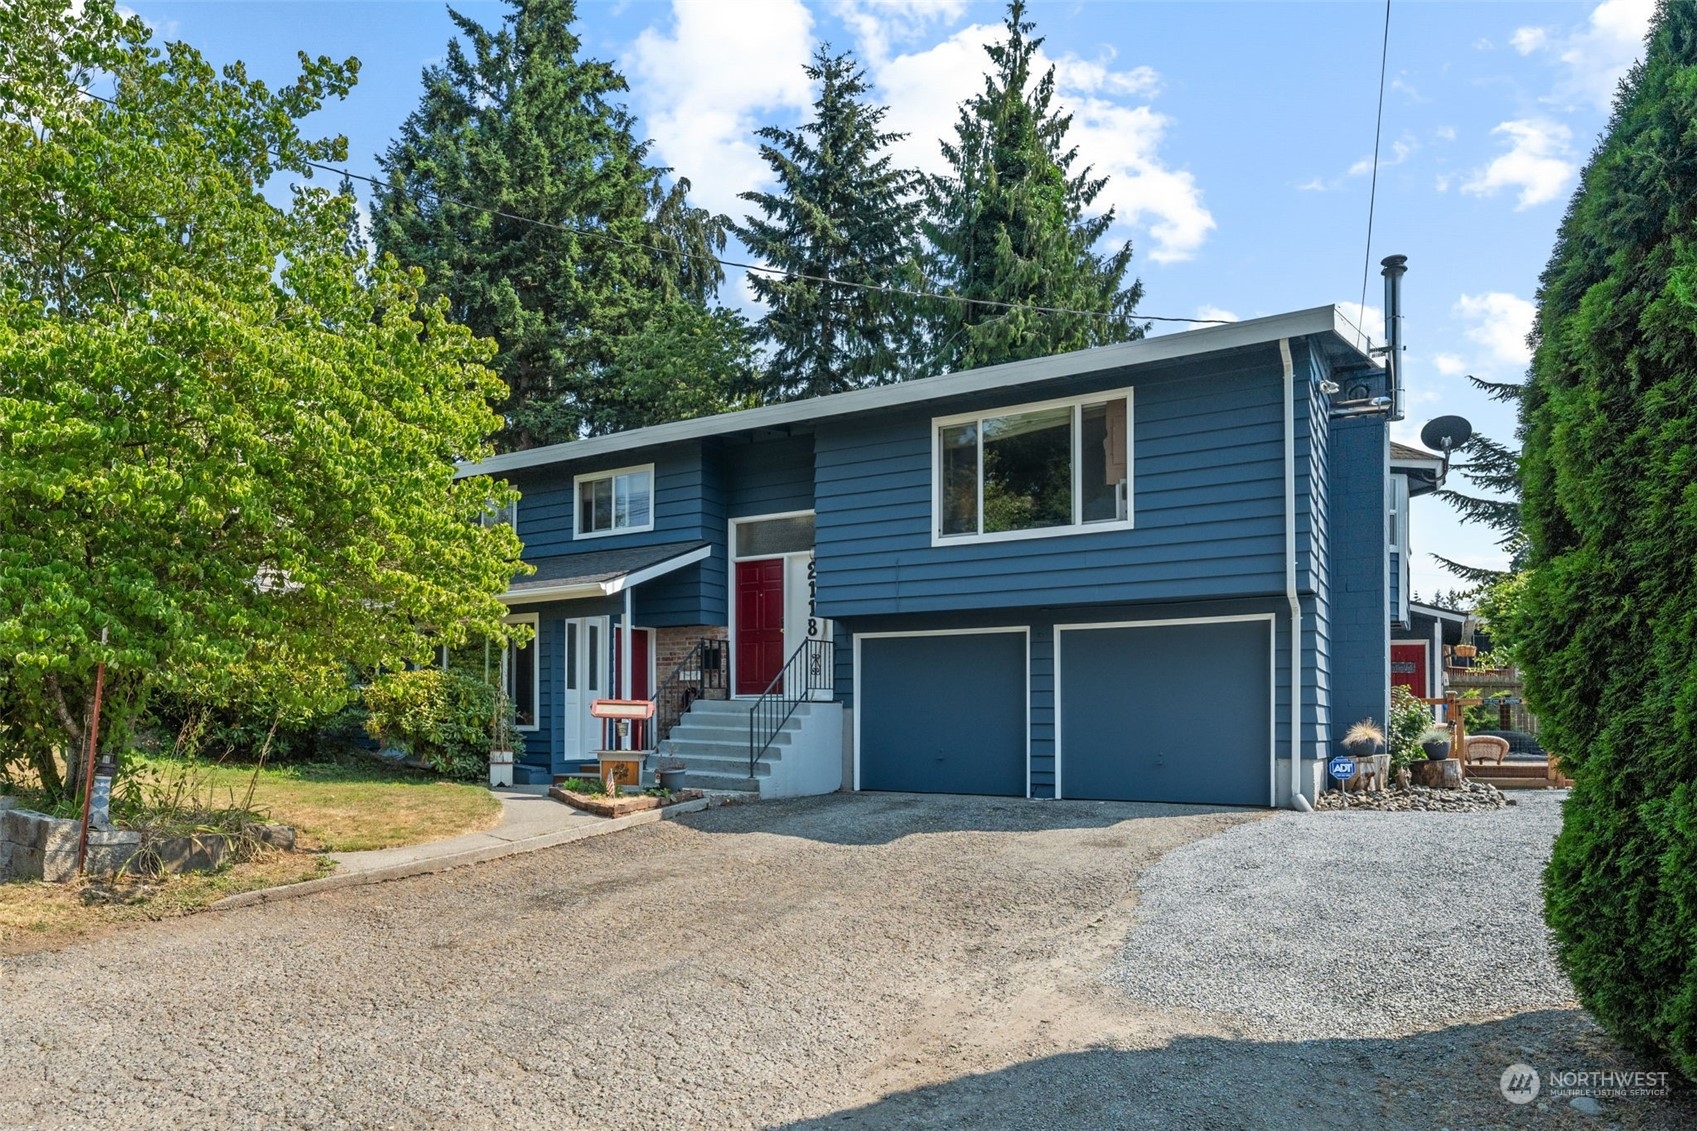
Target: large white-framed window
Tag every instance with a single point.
(506, 515)
(522, 681)
(620, 501)
(1032, 470)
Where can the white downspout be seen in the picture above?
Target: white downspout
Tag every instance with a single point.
(1297, 800)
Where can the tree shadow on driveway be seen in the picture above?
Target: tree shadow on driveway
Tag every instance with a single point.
(1446, 1078)
(881, 818)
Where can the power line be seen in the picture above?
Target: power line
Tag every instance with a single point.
(1373, 190)
(759, 268)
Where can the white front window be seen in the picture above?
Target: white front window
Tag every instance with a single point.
(614, 502)
(1058, 467)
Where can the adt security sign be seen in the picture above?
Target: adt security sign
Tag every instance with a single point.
(1342, 767)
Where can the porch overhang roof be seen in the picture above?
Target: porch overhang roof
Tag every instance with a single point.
(601, 573)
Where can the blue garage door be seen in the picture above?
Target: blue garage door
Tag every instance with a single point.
(943, 714)
(1167, 713)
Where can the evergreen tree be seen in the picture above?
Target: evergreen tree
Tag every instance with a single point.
(524, 129)
(1494, 467)
(842, 212)
(1008, 224)
(1606, 630)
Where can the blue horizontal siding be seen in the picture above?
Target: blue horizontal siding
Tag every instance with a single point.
(1207, 498)
(689, 506)
(769, 476)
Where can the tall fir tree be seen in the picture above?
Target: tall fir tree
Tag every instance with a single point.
(1606, 629)
(1493, 467)
(523, 128)
(842, 212)
(1010, 223)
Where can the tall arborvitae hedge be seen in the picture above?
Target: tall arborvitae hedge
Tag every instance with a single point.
(1607, 629)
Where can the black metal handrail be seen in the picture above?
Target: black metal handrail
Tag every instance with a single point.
(809, 669)
(700, 673)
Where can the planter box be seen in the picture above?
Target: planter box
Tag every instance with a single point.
(604, 806)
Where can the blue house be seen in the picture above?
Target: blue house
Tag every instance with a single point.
(1150, 571)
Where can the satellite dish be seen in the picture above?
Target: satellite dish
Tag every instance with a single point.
(1446, 433)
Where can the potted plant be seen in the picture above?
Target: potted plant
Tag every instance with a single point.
(1435, 740)
(1364, 738)
(670, 774)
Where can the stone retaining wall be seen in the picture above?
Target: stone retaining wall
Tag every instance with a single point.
(34, 846)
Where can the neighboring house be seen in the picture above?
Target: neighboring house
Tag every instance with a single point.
(1417, 631)
(1105, 574)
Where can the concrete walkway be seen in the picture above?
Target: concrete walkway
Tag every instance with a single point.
(530, 820)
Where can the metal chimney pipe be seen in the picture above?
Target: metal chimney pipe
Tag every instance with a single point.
(1395, 267)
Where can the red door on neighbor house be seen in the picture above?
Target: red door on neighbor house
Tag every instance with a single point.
(760, 624)
(1408, 668)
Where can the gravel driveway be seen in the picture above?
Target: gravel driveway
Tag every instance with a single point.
(868, 961)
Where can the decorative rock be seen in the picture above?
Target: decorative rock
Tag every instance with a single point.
(1585, 1105)
(1472, 795)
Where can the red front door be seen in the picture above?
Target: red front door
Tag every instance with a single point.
(1408, 668)
(641, 686)
(760, 624)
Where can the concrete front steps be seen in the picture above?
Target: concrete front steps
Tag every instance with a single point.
(712, 742)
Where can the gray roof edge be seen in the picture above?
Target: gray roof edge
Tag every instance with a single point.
(1166, 347)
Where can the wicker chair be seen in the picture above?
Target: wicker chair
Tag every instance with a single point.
(1485, 747)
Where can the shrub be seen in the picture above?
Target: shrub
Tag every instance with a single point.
(1409, 719)
(1604, 629)
(442, 718)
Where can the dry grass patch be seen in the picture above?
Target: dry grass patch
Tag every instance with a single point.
(37, 916)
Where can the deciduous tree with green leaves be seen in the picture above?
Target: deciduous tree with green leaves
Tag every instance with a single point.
(520, 189)
(1606, 629)
(1010, 223)
(843, 220)
(227, 444)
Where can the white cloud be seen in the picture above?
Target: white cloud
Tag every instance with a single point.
(708, 84)
(1449, 365)
(879, 25)
(925, 88)
(1313, 184)
(1595, 56)
(1216, 314)
(1500, 323)
(1529, 39)
(1444, 133)
(1537, 163)
(1401, 150)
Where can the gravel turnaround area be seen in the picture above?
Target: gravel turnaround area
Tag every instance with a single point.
(866, 961)
(1353, 924)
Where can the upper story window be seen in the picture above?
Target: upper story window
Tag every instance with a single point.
(614, 502)
(1058, 467)
(507, 515)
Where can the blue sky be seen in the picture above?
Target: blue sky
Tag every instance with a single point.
(1238, 138)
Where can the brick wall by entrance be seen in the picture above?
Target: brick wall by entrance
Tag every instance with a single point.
(672, 645)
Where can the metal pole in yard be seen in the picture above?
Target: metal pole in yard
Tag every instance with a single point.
(88, 762)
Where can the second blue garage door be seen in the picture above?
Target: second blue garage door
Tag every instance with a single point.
(943, 714)
(1171, 712)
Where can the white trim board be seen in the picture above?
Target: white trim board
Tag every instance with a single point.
(609, 588)
(535, 622)
(1272, 684)
(859, 700)
(1163, 347)
(731, 586)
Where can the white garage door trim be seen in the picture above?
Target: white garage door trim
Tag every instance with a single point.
(859, 702)
(1272, 686)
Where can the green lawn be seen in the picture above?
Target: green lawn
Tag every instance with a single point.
(354, 805)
